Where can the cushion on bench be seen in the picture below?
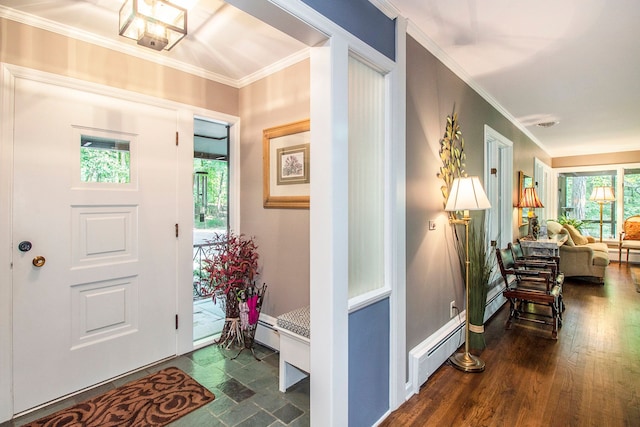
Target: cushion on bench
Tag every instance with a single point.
(297, 321)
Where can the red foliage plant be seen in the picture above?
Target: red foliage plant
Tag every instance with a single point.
(235, 262)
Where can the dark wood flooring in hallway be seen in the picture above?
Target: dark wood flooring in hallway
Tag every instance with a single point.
(590, 376)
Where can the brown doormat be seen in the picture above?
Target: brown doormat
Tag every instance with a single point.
(155, 400)
(635, 275)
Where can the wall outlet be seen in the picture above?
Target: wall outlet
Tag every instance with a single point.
(452, 309)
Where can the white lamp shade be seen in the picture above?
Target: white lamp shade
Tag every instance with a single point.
(602, 195)
(467, 194)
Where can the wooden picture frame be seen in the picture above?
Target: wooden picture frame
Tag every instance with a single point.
(286, 152)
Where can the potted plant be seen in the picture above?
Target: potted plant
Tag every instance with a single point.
(563, 220)
(481, 265)
(231, 271)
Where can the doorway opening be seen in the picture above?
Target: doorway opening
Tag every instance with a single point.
(211, 216)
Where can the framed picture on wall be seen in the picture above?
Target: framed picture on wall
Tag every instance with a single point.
(286, 152)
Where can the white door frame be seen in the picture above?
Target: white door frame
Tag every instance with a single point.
(498, 155)
(544, 179)
(8, 74)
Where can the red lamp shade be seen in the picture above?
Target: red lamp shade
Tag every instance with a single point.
(529, 199)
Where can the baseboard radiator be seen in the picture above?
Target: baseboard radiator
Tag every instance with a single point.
(429, 355)
(425, 358)
(266, 333)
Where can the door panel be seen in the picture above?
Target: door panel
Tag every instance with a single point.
(103, 303)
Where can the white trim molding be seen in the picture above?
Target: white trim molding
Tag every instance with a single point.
(429, 355)
(414, 31)
(147, 54)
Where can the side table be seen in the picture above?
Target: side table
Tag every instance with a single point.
(541, 247)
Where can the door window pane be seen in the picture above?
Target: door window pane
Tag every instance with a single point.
(104, 160)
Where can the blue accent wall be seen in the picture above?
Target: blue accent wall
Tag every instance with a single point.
(363, 20)
(369, 364)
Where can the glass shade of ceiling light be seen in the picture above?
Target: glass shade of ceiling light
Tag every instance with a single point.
(156, 24)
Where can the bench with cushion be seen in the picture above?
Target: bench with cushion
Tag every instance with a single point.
(295, 338)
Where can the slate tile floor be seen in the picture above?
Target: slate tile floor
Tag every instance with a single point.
(246, 391)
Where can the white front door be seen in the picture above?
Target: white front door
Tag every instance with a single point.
(104, 301)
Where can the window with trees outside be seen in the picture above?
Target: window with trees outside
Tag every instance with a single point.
(631, 188)
(104, 160)
(574, 206)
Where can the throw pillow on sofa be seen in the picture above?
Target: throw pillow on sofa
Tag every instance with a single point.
(578, 238)
(564, 236)
(632, 231)
(553, 228)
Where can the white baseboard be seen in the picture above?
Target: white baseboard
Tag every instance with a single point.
(495, 300)
(382, 418)
(429, 355)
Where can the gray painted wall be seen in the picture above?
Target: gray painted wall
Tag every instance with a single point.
(433, 277)
(282, 234)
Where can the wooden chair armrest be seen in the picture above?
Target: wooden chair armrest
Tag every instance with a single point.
(531, 273)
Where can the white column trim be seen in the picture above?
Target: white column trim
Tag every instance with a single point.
(328, 235)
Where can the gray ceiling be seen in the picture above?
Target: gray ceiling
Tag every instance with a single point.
(573, 62)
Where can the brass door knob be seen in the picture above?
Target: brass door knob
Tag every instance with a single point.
(38, 261)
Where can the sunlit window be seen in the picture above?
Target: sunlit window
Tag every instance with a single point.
(104, 160)
(631, 192)
(574, 189)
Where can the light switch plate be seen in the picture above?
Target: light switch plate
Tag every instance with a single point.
(432, 225)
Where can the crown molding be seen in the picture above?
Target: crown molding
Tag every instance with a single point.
(146, 54)
(387, 8)
(85, 36)
(275, 67)
(414, 31)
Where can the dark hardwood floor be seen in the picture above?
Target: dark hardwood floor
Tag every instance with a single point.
(590, 376)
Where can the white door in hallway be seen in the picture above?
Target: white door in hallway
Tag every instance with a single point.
(94, 289)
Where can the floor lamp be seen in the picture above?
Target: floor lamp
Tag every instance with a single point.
(466, 195)
(602, 195)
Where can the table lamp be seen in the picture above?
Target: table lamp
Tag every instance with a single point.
(529, 199)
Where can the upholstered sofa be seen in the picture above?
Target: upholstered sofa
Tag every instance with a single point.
(580, 256)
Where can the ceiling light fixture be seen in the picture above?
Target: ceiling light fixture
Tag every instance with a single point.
(156, 24)
(547, 124)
